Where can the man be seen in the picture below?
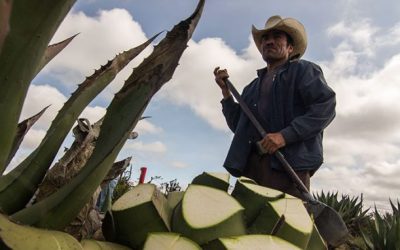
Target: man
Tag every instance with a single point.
(292, 101)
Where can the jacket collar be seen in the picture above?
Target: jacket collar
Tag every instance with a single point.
(285, 66)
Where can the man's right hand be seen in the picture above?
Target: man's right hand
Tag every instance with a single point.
(220, 76)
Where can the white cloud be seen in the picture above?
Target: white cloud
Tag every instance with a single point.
(376, 181)
(100, 39)
(392, 37)
(38, 97)
(154, 147)
(362, 145)
(193, 83)
(93, 114)
(32, 139)
(146, 127)
(179, 164)
(357, 32)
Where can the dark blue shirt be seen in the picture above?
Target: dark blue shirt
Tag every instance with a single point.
(300, 106)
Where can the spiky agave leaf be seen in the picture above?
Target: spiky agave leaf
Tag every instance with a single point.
(351, 209)
(53, 50)
(73, 160)
(384, 231)
(5, 11)
(122, 115)
(32, 25)
(18, 186)
(23, 128)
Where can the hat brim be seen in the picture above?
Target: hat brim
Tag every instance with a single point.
(290, 26)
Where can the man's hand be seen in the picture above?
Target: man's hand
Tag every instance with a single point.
(272, 142)
(220, 76)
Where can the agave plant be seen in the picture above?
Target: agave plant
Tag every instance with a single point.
(351, 209)
(5, 11)
(206, 216)
(24, 52)
(384, 231)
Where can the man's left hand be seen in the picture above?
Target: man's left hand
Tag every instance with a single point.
(272, 142)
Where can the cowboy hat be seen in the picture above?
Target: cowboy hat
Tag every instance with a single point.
(288, 25)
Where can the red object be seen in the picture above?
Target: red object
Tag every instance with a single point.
(142, 175)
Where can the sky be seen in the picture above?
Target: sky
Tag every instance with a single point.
(357, 44)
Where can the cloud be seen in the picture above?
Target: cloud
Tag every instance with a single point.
(100, 39)
(38, 97)
(153, 147)
(33, 139)
(193, 82)
(146, 127)
(376, 181)
(362, 145)
(93, 114)
(179, 164)
(359, 32)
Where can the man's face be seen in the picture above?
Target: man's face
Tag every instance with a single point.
(275, 47)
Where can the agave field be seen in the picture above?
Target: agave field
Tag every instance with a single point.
(54, 207)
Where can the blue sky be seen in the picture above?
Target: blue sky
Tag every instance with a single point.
(357, 44)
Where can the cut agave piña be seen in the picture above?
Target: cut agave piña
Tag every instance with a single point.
(254, 242)
(247, 180)
(288, 218)
(207, 213)
(253, 197)
(89, 244)
(142, 210)
(169, 241)
(215, 180)
(174, 198)
(316, 242)
(14, 236)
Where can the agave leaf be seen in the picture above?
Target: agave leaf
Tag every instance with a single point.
(32, 25)
(5, 11)
(23, 128)
(18, 186)
(15, 236)
(125, 109)
(117, 169)
(138, 212)
(52, 51)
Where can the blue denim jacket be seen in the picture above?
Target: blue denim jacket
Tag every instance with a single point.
(301, 106)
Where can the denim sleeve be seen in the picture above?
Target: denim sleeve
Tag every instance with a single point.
(231, 111)
(320, 102)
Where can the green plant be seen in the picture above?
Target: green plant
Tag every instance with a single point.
(24, 53)
(351, 209)
(170, 186)
(384, 231)
(211, 217)
(124, 184)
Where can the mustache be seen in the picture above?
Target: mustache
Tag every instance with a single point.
(269, 46)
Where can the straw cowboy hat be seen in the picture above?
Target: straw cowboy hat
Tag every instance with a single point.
(289, 25)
